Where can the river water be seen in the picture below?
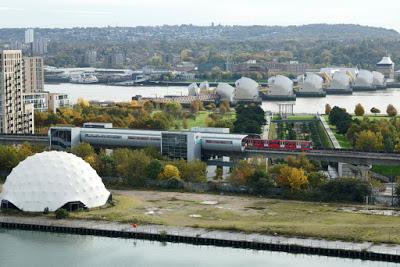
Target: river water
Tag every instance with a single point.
(378, 99)
(25, 248)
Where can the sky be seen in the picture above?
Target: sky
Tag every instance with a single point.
(87, 13)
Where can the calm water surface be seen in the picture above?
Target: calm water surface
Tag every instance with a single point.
(24, 248)
(378, 99)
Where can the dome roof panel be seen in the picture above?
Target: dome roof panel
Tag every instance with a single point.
(53, 184)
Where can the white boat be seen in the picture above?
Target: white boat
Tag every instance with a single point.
(84, 78)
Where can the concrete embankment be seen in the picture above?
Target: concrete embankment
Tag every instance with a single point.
(197, 236)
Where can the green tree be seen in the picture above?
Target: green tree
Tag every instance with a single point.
(154, 169)
(375, 110)
(192, 171)
(131, 165)
(369, 141)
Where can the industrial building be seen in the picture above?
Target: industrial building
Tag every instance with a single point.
(386, 67)
(280, 88)
(340, 83)
(53, 180)
(225, 92)
(246, 90)
(311, 86)
(188, 145)
(364, 81)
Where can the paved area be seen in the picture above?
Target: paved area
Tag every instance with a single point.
(196, 232)
(268, 118)
(329, 132)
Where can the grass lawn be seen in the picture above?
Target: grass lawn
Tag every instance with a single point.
(200, 120)
(373, 117)
(390, 171)
(248, 214)
(343, 142)
(201, 117)
(301, 118)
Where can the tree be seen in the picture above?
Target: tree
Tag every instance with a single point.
(195, 106)
(292, 178)
(345, 189)
(369, 141)
(359, 110)
(375, 110)
(131, 165)
(192, 171)
(241, 173)
(391, 110)
(154, 169)
(260, 181)
(170, 171)
(316, 179)
(219, 172)
(327, 109)
(82, 103)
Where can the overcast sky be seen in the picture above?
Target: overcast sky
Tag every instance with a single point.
(69, 13)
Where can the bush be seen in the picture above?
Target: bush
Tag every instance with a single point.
(345, 190)
(61, 214)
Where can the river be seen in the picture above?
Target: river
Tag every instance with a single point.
(378, 99)
(25, 248)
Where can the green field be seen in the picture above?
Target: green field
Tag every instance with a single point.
(343, 142)
(389, 171)
(249, 214)
(201, 118)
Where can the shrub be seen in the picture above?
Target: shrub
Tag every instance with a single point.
(345, 189)
(359, 110)
(391, 111)
(61, 214)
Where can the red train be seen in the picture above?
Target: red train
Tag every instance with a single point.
(288, 145)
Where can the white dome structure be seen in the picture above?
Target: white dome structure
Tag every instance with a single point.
(378, 79)
(340, 81)
(364, 79)
(312, 83)
(281, 86)
(246, 89)
(204, 87)
(225, 91)
(193, 90)
(51, 180)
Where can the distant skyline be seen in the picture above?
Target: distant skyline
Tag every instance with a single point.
(88, 13)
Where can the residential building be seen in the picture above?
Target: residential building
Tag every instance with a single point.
(16, 117)
(56, 101)
(90, 57)
(38, 100)
(33, 74)
(186, 66)
(39, 47)
(29, 36)
(117, 60)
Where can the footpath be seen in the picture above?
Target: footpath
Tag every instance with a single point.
(330, 133)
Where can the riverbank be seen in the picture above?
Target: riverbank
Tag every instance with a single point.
(366, 250)
(329, 221)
